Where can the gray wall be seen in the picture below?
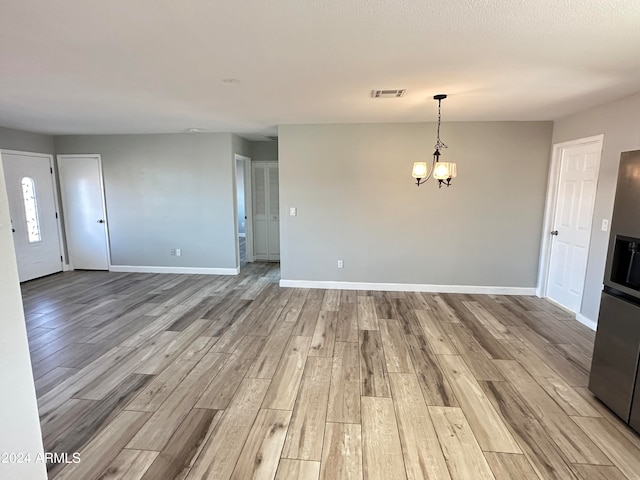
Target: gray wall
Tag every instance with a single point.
(166, 191)
(26, 141)
(264, 151)
(620, 123)
(20, 430)
(240, 146)
(356, 201)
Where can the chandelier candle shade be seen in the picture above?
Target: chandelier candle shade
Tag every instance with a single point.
(441, 171)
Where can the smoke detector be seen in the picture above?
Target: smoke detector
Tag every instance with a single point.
(396, 93)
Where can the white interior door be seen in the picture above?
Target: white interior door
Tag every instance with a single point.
(260, 212)
(274, 211)
(248, 205)
(571, 231)
(84, 211)
(32, 205)
(266, 219)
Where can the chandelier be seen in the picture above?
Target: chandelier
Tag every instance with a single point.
(441, 171)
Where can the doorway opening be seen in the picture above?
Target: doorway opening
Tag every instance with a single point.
(244, 237)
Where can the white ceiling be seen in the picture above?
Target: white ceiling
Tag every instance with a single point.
(152, 66)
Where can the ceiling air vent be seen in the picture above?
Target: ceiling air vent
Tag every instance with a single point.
(397, 93)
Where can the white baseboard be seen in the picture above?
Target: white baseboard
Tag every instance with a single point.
(586, 321)
(579, 317)
(559, 305)
(186, 270)
(409, 287)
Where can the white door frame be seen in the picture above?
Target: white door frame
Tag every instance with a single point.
(104, 201)
(56, 198)
(248, 208)
(549, 209)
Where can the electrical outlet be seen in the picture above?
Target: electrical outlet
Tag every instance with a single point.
(340, 264)
(178, 252)
(293, 211)
(605, 225)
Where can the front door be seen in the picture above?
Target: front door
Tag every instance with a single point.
(32, 206)
(571, 232)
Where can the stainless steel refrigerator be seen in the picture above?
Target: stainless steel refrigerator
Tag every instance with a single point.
(615, 376)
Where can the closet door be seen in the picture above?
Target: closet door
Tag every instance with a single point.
(260, 214)
(274, 211)
(266, 215)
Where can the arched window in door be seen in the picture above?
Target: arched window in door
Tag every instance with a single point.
(31, 209)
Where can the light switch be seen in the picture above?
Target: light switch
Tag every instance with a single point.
(605, 225)
(293, 211)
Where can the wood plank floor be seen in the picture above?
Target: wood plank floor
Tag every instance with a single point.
(192, 377)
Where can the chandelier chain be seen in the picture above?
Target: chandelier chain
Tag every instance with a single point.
(439, 145)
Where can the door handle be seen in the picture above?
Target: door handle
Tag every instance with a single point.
(13, 230)
(554, 232)
(100, 221)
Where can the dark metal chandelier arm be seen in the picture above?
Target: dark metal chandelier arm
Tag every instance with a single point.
(420, 181)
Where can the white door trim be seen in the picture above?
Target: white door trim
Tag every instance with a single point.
(56, 198)
(248, 208)
(550, 204)
(104, 201)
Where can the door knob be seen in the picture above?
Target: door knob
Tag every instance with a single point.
(100, 221)
(555, 232)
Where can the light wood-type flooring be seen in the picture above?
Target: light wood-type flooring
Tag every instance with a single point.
(194, 377)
